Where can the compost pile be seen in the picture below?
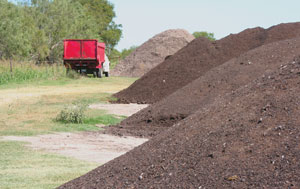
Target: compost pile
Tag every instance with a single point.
(152, 52)
(197, 58)
(235, 126)
(248, 138)
(201, 92)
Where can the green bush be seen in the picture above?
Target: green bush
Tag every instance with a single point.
(72, 114)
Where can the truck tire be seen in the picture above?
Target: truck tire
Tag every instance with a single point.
(99, 73)
(106, 74)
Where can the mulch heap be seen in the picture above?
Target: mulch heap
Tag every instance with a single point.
(206, 89)
(197, 58)
(248, 138)
(152, 52)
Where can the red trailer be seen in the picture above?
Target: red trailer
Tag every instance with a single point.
(85, 56)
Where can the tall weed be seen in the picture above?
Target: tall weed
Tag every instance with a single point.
(28, 71)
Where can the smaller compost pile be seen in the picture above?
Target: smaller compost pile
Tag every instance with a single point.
(206, 89)
(197, 58)
(152, 52)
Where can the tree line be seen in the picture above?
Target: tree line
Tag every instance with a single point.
(35, 29)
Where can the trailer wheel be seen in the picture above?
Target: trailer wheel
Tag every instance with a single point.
(99, 73)
(106, 74)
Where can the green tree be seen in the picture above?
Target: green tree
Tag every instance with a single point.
(208, 35)
(14, 33)
(35, 29)
(60, 19)
(126, 52)
(103, 12)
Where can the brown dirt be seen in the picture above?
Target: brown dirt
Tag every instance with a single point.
(152, 52)
(246, 139)
(201, 92)
(197, 58)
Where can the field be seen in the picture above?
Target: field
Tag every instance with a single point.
(28, 107)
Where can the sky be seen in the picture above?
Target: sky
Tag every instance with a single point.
(142, 19)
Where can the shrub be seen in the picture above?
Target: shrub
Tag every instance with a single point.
(72, 114)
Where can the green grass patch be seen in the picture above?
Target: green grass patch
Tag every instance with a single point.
(103, 119)
(20, 72)
(24, 168)
(28, 118)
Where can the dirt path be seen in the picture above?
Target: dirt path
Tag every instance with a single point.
(10, 95)
(84, 86)
(88, 146)
(119, 109)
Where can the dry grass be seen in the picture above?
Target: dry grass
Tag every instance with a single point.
(24, 168)
(30, 110)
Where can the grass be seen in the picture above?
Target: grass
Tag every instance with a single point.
(24, 168)
(103, 119)
(29, 109)
(29, 103)
(37, 115)
(20, 72)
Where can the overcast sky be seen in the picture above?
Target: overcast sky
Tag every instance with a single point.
(142, 19)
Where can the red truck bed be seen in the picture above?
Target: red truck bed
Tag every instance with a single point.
(84, 55)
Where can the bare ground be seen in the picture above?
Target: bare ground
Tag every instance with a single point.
(88, 146)
(119, 109)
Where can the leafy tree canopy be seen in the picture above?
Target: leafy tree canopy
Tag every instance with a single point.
(35, 29)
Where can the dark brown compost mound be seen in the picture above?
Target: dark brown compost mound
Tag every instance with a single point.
(197, 58)
(214, 83)
(152, 52)
(247, 139)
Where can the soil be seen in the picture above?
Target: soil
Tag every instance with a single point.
(87, 146)
(248, 138)
(152, 52)
(206, 89)
(197, 58)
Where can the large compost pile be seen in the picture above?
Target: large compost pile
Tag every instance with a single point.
(235, 123)
(246, 139)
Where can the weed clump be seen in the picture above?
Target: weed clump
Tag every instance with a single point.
(72, 74)
(72, 114)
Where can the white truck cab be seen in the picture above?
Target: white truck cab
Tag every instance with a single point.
(106, 66)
